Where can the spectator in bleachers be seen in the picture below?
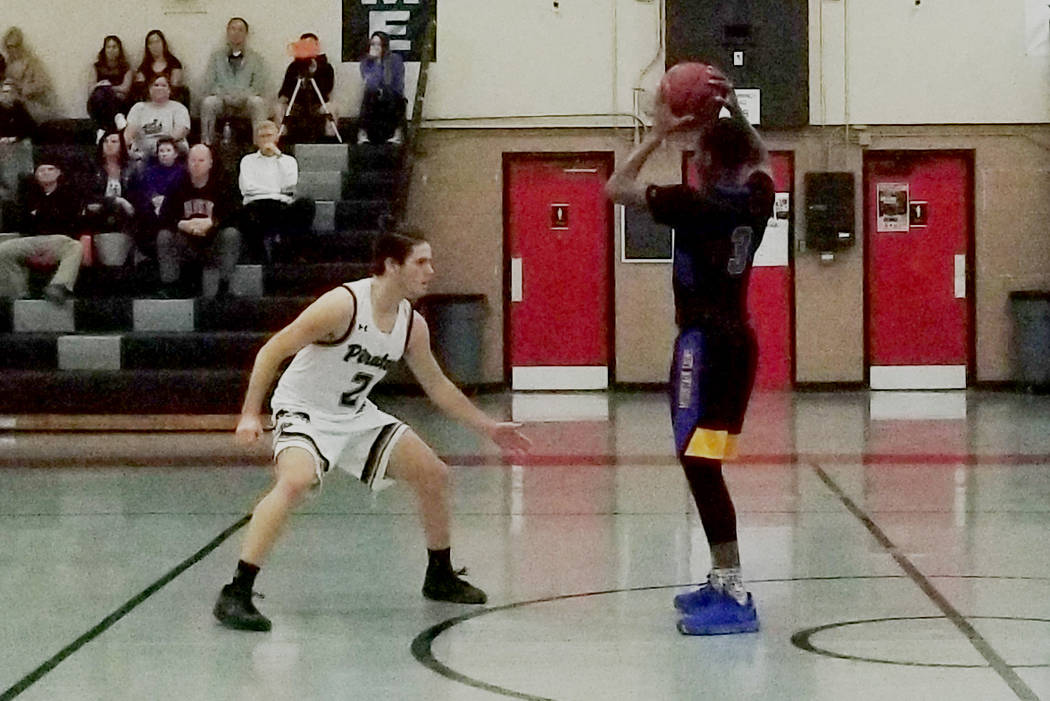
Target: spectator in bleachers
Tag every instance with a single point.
(157, 59)
(148, 193)
(309, 67)
(383, 106)
(32, 84)
(107, 104)
(16, 150)
(272, 217)
(196, 221)
(160, 117)
(234, 81)
(107, 191)
(49, 209)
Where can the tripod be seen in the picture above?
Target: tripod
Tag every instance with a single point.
(320, 99)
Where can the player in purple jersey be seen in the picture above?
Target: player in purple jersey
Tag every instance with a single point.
(718, 227)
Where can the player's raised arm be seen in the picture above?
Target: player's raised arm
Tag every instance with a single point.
(623, 186)
(326, 319)
(449, 398)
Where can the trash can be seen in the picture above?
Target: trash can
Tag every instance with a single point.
(1031, 313)
(456, 326)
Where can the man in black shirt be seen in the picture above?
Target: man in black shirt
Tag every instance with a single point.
(195, 217)
(718, 228)
(48, 222)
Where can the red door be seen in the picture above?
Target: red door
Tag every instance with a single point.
(558, 231)
(769, 296)
(918, 214)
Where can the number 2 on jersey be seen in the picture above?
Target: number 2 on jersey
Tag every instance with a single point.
(360, 381)
(741, 249)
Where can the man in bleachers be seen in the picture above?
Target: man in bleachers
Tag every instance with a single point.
(49, 209)
(272, 216)
(16, 151)
(234, 81)
(196, 217)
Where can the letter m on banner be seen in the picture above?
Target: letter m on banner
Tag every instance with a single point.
(404, 20)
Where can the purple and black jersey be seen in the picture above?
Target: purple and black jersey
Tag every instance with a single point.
(716, 236)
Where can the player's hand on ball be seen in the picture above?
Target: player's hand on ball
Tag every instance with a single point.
(249, 428)
(508, 436)
(665, 121)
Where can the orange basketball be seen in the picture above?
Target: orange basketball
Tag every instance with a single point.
(686, 88)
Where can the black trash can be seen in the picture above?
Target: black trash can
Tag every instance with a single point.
(1031, 313)
(456, 324)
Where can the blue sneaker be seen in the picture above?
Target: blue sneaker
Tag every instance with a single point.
(723, 616)
(692, 602)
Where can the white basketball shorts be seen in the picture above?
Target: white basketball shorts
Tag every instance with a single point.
(360, 444)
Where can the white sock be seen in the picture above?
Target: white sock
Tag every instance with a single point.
(730, 581)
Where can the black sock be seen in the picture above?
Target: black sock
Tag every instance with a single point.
(244, 578)
(439, 562)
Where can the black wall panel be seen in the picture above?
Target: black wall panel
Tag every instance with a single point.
(774, 36)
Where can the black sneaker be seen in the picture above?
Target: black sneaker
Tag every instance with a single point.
(57, 294)
(449, 587)
(235, 610)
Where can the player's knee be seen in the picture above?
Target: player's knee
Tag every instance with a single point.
(295, 485)
(435, 474)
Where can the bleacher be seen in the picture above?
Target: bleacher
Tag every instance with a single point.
(115, 349)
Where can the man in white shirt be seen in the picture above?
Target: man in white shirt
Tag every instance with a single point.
(272, 217)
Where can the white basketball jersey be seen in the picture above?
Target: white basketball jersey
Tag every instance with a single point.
(336, 377)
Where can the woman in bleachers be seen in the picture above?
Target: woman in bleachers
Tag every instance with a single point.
(157, 59)
(383, 106)
(161, 116)
(107, 192)
(107, 103)
(30, 78)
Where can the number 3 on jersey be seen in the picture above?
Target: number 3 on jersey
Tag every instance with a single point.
(360, 383)
(741, 250)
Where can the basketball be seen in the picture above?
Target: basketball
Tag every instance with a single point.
(686, 88)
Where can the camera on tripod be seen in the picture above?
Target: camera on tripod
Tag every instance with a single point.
(306, 62)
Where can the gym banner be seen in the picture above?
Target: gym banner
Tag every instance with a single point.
(404, 20)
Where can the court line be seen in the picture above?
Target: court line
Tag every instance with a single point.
(422, 644)
(983, 647)
(803, 640)
(107, 622)
(544, 460)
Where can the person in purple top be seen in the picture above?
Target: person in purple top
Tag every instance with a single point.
(383, 106)
(148, 193)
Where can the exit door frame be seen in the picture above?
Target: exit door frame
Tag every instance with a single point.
(569, 158)
(969, 156)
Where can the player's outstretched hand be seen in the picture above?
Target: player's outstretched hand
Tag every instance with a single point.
(508, 436)
(249, 428)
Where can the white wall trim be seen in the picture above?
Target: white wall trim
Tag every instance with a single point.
(918, 377)
(560, 377)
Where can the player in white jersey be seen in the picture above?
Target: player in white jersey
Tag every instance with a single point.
(343, 345)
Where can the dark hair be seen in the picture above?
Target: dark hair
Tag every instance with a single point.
(122, 154)
(3, 66)
(309, 35)
(393, 244)
(146, 67)
(167, 140)
(122, 60)
(241, 20)
(384, 40)
(158, 76)
(728, 141)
